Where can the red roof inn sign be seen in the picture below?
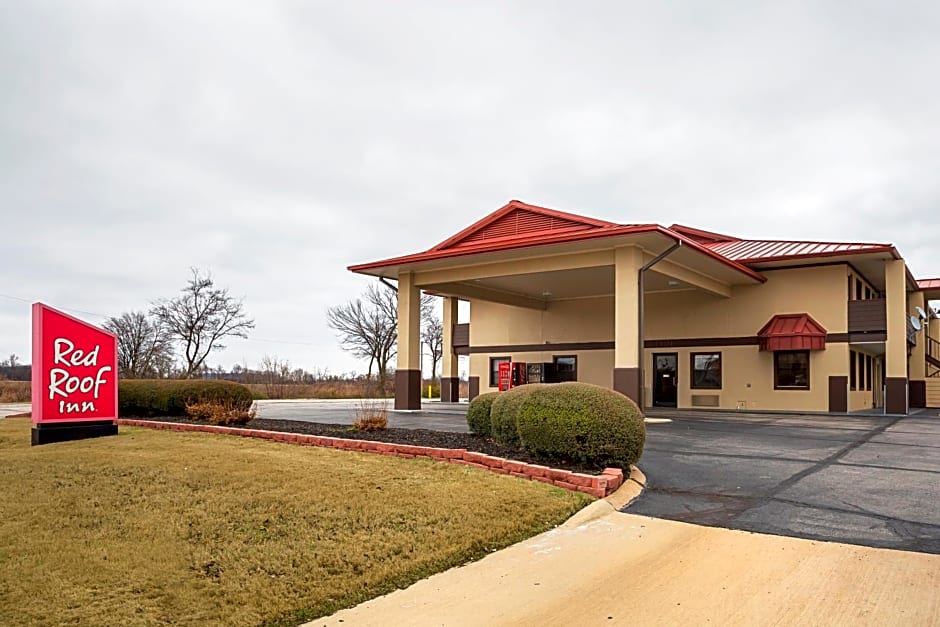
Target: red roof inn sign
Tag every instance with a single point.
(75, 387)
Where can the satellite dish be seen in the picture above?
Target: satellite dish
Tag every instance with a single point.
(915, 322)
(921, 313)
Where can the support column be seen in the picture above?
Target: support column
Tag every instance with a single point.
(918, 360)
(450, 382)
(896, 399)
(627, 349)
(408, 372)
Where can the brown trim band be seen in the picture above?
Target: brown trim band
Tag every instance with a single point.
(687, 342)
(546, 347)
(696, 342)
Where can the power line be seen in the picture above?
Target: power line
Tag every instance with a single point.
(72, 309)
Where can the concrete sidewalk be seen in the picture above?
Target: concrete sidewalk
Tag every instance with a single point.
(623, 569)
(8, 409)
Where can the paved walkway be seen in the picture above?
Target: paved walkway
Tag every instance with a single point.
(8, 409)
(624, 569)
(432, 415)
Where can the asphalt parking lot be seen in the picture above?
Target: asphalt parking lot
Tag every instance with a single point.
(869, 480)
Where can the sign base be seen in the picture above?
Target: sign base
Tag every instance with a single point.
(46, 433)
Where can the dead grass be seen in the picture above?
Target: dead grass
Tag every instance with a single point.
(220, 413)
(371, 415)
(195, 529)
(15, 391)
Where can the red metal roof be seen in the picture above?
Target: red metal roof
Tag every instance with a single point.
(703, 237)
(755, 251)
(520, 225)
(791, 332)
(928, 284)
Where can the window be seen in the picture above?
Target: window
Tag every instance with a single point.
(791, 370)
(494, 369)
(858, 289)
(706, 371)
(566, 368)
(861, 371)
(853, 365)
(869, 363)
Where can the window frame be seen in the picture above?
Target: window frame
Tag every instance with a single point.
(799, 388)
(693, 385)
(494, 369)
(555, 359)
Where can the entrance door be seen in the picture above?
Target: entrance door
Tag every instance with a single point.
(665, 379)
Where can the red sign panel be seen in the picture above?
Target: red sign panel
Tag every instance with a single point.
(74, 369)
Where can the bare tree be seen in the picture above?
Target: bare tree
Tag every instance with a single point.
(368, 327)
(433, 338)
(145, 349)
(12, 362)
(200, 318)
(276, 375)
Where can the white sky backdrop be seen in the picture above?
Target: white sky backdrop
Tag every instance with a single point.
(277, 142)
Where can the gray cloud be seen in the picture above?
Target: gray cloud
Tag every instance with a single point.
(276, 143)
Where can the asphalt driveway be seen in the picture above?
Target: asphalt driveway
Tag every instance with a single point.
(868, 480)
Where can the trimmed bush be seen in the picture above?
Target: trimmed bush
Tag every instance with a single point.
(144, 398)
(478, 414)
(505, 411)
(581, 422)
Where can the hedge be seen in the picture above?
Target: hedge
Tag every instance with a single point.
(586, 423)
(505, 411)
(144, 398)
(478, 414)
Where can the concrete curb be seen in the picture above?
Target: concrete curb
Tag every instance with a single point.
(631, 489)
(600, 486)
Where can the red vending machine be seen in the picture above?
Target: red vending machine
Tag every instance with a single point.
(511, 374)
(504, 375)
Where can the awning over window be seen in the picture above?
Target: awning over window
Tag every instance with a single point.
(792, 332)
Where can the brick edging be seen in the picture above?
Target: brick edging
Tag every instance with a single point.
(596, 485)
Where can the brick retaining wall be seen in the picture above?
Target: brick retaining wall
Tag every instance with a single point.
(595, 485)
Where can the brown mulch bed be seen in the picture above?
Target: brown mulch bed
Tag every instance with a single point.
(416, 437)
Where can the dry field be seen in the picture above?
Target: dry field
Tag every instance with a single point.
(154, 527)
(15, 391)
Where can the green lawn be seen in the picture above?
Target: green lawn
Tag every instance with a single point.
(154, 527)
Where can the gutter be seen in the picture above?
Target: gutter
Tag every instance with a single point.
(641, 283)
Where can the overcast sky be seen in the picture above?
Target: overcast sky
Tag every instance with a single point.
(276, 143)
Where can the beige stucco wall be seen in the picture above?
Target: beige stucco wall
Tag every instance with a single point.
(820, 291)
(747, 380)
(580, 320)
(747, 373)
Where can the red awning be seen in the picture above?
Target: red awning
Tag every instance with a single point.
(792, 332)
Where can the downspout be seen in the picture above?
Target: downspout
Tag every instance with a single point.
(385, 282)
(641, 282)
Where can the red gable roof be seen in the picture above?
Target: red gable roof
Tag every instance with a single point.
(928, 284)
(792, 332)
(517, 220)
